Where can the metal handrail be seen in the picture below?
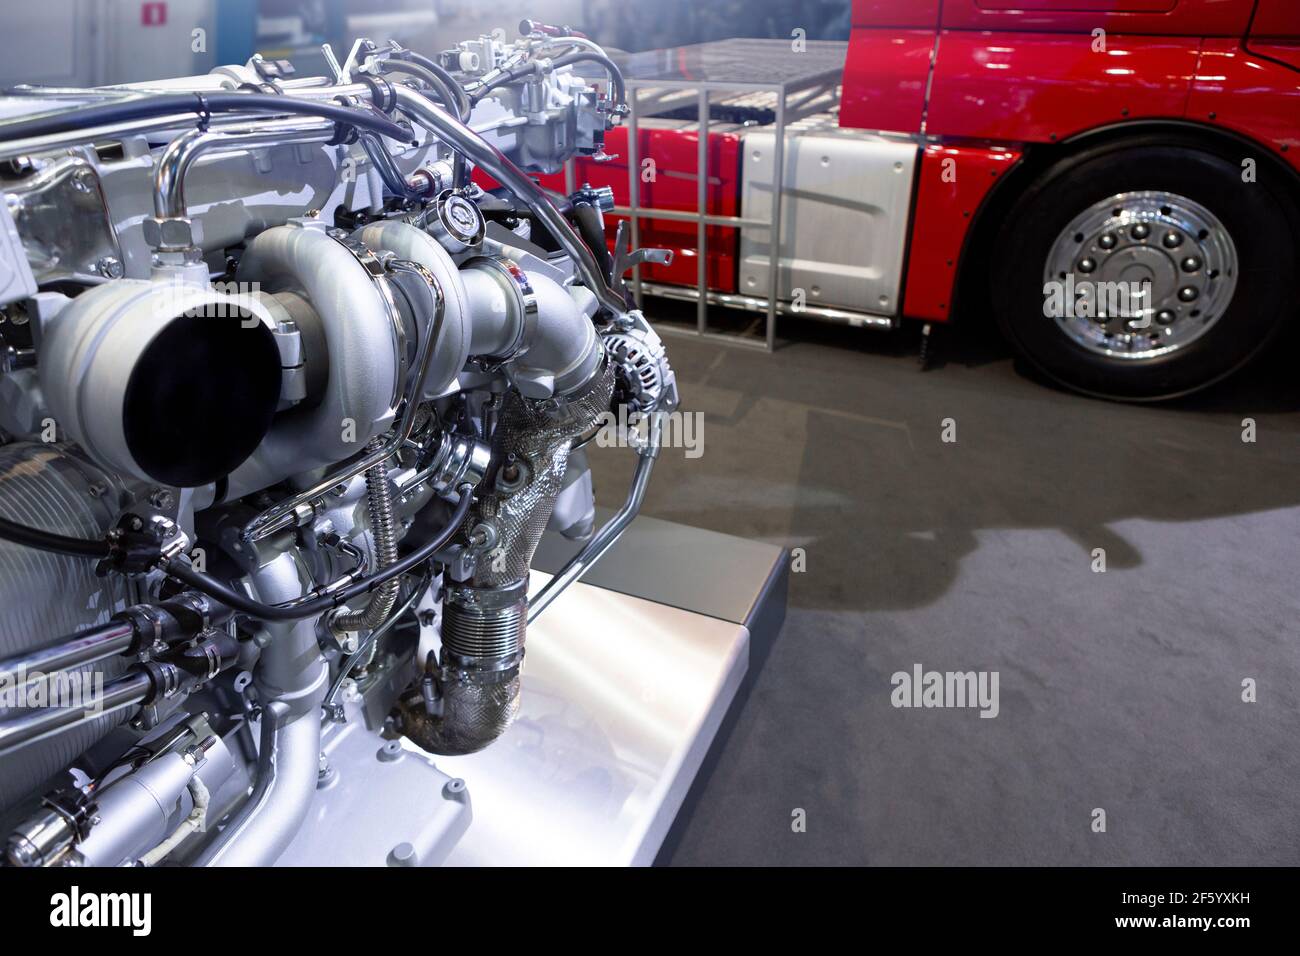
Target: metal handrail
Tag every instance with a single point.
(636, 212)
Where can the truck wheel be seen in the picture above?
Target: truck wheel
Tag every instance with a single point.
(1146, 269)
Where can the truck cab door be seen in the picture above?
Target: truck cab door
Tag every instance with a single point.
(887, 70)
(1275, 32)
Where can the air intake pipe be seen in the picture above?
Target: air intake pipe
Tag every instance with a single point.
(501, 313)
(126, 369)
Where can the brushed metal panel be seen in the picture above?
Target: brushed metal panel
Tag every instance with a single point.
(843, 217)
(696, 569)
(621, 700)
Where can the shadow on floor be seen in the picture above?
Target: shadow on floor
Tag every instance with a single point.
(1119, 691)
(834, 443)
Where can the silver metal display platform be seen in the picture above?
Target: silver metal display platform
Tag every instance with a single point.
(622, 697)
(630, 682)
(621, 700)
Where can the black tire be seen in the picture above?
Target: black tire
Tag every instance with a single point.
(1259, 216)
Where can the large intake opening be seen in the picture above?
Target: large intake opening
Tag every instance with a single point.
(201, 397)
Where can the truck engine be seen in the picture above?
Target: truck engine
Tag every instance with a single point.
(286, 404)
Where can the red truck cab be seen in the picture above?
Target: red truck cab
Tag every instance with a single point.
(1118, 181)
(1177, 120)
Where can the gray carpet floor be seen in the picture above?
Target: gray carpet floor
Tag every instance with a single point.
(1119, 690)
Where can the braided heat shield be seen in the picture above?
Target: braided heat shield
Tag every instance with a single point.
(484, 619)
(538, 435)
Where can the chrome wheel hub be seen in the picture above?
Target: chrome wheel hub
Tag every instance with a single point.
(1174, 250)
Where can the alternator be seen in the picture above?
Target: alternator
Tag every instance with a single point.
(642, 373)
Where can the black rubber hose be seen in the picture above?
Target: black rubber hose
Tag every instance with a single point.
(509, 76)
(458, 106)
(461, 96)
(591, 56)
(200, 104)
(181, 570)
(49, 541)
(591, 227)
(385, 166)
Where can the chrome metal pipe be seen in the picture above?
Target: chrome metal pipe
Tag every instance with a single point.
(456, 134)
(84, 647)
(329, 92)
(28, 726)
(182, 152)
(78, 95)
(291, 678)
(117, 131)
(612, 530)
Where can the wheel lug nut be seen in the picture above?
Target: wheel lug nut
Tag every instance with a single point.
(1087, 265)
(1191, 264)
(1165, 316)
(1140, 231)
(1108, 241)
(1172, 240)
(1188, 293)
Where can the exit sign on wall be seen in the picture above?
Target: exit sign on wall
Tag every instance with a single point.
(153, 14)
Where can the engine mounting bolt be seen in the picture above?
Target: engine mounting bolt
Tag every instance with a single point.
(1087, 265)
(325, 774)
(110, 267)
(403, 855)
(1188, 293)
(1140, 231)
(1191, 264)
(1172, 239)
(1108, 241)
